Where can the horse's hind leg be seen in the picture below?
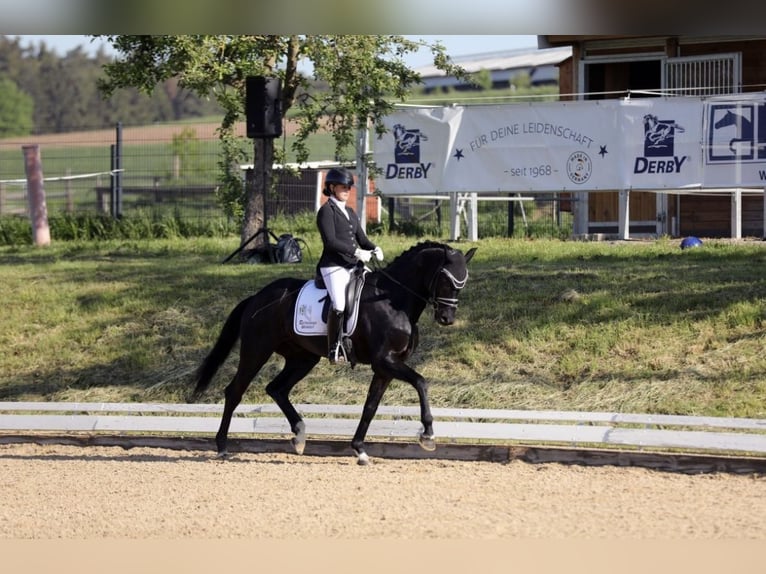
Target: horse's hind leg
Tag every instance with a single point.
(279, 389)
(248, 367)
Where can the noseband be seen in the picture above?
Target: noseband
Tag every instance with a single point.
(458, 284)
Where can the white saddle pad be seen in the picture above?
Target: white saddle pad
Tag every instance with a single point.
(307, 319)
(308, 310)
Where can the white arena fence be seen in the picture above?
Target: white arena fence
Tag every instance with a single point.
(740, 436)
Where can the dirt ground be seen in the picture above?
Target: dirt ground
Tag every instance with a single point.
(70, 492)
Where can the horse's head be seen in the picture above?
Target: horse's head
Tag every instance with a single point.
(728, 119)
(447, 279)
(434, 273)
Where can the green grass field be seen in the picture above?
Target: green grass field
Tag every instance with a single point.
(149, 158)
(542, 324)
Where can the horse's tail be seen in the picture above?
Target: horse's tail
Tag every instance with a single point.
(221, 349)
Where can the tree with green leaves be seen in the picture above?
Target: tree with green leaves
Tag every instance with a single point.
(66, 97)
(338, 83)
(16, 109)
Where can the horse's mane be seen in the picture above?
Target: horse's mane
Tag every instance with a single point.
(415, 249)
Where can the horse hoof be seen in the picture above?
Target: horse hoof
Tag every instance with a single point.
(363, 459)
(299, 445)
(299, 440)
(427, 443)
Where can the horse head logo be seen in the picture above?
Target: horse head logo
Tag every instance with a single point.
(742, 141)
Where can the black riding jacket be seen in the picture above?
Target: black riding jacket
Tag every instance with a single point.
(341, 236)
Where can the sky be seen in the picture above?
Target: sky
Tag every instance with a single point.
(456, 45)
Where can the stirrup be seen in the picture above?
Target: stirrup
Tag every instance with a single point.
(337, 355)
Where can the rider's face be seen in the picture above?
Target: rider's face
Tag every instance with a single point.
(341, 191)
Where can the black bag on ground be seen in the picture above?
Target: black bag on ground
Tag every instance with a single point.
(287, 249)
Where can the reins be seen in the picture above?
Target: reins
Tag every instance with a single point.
(383, 272)
(433, 300)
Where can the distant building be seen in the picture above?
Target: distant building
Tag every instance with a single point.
(541, 66)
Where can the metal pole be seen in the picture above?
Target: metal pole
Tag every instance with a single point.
(511, 208)
(763, 229)
(623, 224)
(362, 184)
(264, 160)
(118, 168)
(454, 224)
(473, 220)
(113, 180)
(736, 214)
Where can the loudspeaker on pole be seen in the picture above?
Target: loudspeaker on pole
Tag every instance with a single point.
(263, 107)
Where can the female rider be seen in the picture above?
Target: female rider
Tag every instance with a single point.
(344, 242)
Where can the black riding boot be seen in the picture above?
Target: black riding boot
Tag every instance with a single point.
(334, 329)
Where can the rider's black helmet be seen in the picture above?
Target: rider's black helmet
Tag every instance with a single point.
(337, 175)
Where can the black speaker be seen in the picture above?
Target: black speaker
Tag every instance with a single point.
(263, 107)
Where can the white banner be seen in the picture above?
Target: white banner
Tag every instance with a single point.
(660, 143)
(642, 144)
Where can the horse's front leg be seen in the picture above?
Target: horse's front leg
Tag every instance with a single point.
(375, 393)
(405, 373)
(427, 441)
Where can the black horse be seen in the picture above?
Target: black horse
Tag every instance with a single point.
(386, 334)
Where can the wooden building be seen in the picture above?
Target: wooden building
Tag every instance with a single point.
(647, 66)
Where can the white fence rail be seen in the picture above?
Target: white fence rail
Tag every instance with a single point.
(705, 434)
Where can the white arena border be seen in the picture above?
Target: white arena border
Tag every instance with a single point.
(483, 426)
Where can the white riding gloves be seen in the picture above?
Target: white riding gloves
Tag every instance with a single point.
(378, 253)
(363, 255)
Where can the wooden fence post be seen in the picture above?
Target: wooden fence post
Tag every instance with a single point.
(38, 211)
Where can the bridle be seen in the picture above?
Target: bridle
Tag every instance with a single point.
(433, 299)
(458, 284)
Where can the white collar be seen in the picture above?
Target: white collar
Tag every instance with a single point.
(341, 204)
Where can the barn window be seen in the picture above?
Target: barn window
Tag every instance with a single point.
(711, 75)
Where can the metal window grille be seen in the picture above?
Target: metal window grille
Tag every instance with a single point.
(711, 75)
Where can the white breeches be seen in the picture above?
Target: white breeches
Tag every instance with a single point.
(336, 279)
